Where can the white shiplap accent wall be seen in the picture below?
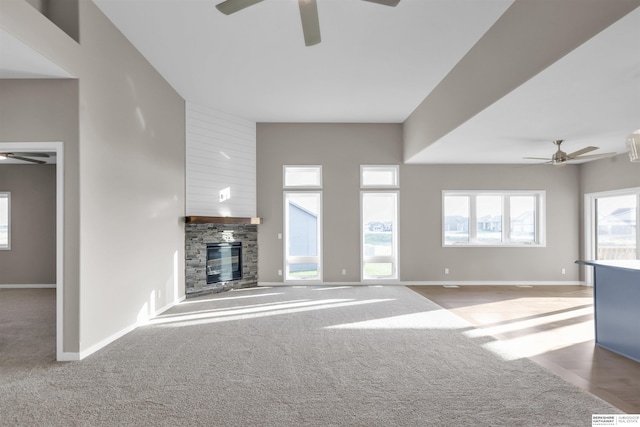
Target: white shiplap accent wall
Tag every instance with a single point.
(221, 153)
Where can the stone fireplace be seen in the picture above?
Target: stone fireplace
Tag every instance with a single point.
(199, 235)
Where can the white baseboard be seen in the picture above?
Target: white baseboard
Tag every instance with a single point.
(105, 342)
(28, 286)
(68, 357)
(493, 283)
(434, 283)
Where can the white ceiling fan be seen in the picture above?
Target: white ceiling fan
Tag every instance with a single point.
(561, 158)
(308, 14)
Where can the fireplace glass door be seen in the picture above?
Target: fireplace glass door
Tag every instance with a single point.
(224, 262)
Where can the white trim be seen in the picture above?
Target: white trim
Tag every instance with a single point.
(29, 286)
(105, 342)
(494, 282)
(540, 218)
(434, 283)
(8, 245)
(303, 259)
(394, 259)
(58, 148)
(590, 223)
(317, 168)
(395, 169)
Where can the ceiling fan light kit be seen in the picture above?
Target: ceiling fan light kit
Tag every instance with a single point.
(308, 14)
(633, 146)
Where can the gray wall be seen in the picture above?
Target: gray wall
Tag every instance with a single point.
(132, 196)
(614, 173)
(342, 148)
(124, 171)
(47, 110)
(32, 258)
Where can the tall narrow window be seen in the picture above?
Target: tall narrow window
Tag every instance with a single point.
(379, 235)
(616, 227)
(303, 223)
(379, 221)
(5, 220)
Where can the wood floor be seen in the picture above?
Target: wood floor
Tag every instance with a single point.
(552, 325)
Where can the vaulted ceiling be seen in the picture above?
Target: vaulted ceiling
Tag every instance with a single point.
(378, 63)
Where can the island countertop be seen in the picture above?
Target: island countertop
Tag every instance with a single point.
(625, 264)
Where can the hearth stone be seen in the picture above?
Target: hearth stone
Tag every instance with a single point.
(196, 238)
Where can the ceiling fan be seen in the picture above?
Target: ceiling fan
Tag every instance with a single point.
(561, 158)
(24, 157)
(308, 14)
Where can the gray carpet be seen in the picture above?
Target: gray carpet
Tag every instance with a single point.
(296, 356)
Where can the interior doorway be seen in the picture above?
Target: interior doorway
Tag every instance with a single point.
(58, 149)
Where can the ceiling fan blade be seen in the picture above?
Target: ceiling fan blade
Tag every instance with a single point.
(310, 22)
(232, 6)
(13, 156)
(595, 156)
(31, 154)
(392, 3)
(536, 158)
(580, 152)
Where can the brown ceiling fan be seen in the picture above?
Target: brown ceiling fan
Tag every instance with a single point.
(308, 14)
(561, 158)
(25, 157)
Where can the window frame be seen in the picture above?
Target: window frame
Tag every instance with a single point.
(317, 259)
(7, 195)
(395, 169)
(317, 168)
(394, 258)
(540, 218)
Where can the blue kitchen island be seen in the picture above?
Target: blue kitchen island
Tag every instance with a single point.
(616, 304)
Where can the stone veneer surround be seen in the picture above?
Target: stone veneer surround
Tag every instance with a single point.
(196, 238)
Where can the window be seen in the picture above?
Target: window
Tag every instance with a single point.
(379, 235)
(5, 220)
(379, 222)
(303, 223)
(379, 176)
(493, 218)
(615, 228)
(303, 176)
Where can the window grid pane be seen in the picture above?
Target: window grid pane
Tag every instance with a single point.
(489, 219)
(456, 219)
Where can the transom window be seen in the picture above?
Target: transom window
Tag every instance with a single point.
(379, 176)
(493, 218)
(302, 176)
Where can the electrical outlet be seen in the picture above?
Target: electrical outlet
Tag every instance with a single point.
(344, 271)
(279, 236)
(446, 271)
(564, 271)
(279, 272)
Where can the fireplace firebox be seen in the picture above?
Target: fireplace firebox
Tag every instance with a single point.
(224, 262)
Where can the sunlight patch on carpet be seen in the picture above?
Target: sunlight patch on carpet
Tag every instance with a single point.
(434, 319)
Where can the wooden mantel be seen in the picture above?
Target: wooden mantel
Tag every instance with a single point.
(222, 220)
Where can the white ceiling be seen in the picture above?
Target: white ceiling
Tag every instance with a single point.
(19, 61)
(376, 64)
